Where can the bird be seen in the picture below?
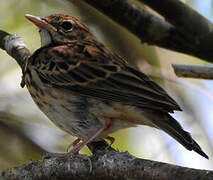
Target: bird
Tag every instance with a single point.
(89, 91)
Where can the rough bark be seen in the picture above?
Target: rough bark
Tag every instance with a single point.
(105, 164)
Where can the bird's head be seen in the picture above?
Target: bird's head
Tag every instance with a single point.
(60, 29)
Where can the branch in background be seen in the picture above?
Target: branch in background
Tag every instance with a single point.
(192, 24)
(106, 163)
(155, 31)
(193, 71)
(146, 26)
(180, 15)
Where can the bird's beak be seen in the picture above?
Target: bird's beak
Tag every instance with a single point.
(40, 22)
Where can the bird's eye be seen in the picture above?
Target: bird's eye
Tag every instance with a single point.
(67, 25)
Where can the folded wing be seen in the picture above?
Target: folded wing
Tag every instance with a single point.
(94, 71)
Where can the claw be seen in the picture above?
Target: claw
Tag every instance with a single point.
(111, 139)
(74, 143)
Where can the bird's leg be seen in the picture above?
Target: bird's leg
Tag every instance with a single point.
(78, 146)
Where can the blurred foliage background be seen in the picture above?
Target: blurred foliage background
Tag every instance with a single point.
(25, 133)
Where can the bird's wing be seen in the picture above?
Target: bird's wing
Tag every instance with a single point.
(95, 71)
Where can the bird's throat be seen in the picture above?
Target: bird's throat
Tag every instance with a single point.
(45, 36)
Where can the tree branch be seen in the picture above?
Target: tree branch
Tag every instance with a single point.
(146, 26)
(14, 45)
(180, 15)
(193, 71)
(106, 163)
(196, 39)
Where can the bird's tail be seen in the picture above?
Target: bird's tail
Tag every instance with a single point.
(174, 129)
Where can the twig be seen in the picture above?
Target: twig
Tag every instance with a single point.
(193, 71)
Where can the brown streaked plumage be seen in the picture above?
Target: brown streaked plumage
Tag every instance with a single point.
(90, 91)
